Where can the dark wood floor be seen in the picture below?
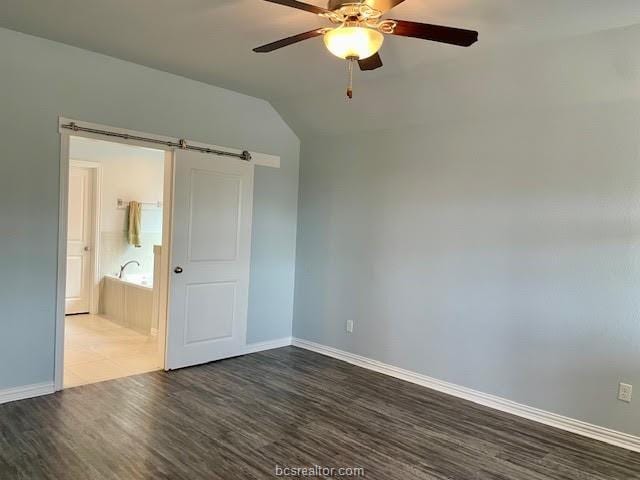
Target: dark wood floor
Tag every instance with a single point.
(239, 418)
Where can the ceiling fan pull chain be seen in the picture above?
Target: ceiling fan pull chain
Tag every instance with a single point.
(350, 86)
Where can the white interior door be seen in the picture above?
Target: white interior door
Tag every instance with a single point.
(78, 288)
(211, 246)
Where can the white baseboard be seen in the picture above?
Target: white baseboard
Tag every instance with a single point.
(268, 345)
(579, 427)
(26, 391)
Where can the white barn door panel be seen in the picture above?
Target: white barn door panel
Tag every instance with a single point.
(210, 253)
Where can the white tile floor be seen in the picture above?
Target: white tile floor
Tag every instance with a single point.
(96, 349)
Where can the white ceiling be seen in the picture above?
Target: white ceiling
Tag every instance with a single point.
(211, 40)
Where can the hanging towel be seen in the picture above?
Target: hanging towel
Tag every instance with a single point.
(135, 217)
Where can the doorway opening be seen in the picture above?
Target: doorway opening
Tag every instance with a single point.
(190, 248)
(115, 296)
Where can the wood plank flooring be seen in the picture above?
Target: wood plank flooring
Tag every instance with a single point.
(240, 418)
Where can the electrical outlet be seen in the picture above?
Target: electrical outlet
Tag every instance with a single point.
(349, 326)
(625, 391)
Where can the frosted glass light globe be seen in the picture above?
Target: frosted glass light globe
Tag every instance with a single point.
(353, 42)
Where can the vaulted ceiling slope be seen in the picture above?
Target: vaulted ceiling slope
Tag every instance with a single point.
(211, 41)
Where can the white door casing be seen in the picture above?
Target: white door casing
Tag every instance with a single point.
(210, 254)
(258, 158)
(79, 241)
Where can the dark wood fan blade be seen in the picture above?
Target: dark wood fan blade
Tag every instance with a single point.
(436, 33)
(383, 5)
(371, 63)
(300, 6)
(270, 47)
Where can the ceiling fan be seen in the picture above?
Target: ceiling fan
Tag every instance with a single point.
(358, 32)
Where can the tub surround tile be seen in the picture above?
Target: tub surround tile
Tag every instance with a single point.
(128, 304)
(115, 251)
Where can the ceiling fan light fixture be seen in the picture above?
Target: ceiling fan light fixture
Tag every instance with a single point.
(353, 42)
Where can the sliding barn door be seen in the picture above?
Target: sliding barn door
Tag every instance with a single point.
(211, 245)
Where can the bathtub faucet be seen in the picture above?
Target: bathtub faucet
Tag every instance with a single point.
(122, 267)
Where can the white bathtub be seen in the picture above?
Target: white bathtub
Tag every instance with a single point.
(128, 301)
(136, 279)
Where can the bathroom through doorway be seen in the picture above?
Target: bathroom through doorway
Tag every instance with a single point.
(115, 322)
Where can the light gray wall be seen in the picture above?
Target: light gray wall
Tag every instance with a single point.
(499, 250)
(41, 80)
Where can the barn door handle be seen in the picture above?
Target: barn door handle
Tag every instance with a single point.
(178, 270)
